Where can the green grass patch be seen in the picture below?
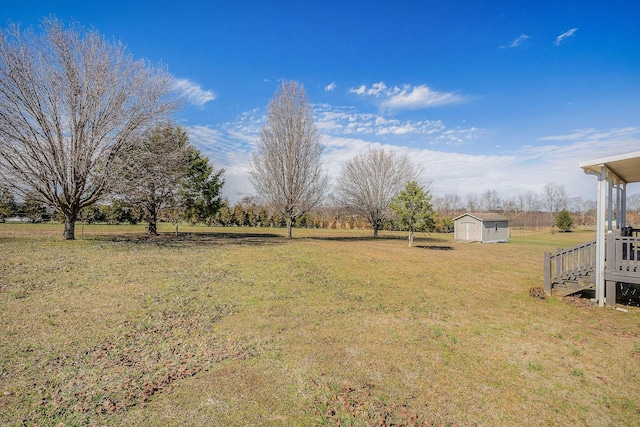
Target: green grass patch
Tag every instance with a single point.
(232, 326)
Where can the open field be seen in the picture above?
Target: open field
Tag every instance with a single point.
(241, 327)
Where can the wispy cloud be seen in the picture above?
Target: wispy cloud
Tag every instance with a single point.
(407, 97)
(193, 93)
(615, 135)
(420, 97)
(345, 121)
(517, 42)
(343, 130)
(442, 150)
(565, 35)
(331, 86)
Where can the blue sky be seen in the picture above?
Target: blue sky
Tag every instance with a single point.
(486, 95)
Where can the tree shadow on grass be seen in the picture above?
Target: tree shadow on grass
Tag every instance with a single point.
(372, 239)
(435, 247)
(194, 239)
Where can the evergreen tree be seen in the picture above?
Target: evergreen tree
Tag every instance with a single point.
(201, 191)
(155, 170)
(413, 209)
(252, 217)
(239, 215)
(263, 217)
(564, 222)
(33, 208)
(92, 214)
(224, 216)
(8, 205)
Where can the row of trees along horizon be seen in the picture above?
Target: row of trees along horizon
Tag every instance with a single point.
(85, 131)
(249, 213)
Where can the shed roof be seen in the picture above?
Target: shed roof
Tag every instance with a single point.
(484, 216)
(624, 166)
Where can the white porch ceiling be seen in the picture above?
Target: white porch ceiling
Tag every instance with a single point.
(624, 166)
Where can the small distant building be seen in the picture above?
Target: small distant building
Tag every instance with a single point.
(481, 227)
(18, 219)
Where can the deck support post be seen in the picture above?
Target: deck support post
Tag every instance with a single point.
(610, 291)
(547, 273)
(601, 207)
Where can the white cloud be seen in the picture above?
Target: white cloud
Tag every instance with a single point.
(193, 93)
(518, 41)
(330, 87)
(344, 130)
(419, 97)
(359, 91)
(407, 97)
(599, 136)
(228, 148)
(565, 35)
(346, 121)
(377, 89)
(448, 164)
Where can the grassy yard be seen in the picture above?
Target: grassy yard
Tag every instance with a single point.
(237, 327)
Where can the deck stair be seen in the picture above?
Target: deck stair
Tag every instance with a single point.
(570, 270)
(574, 285)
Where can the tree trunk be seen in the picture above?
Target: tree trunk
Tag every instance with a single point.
(69, 227)
(410, 238)
(153, 225)
(375, 231)
(289, 226)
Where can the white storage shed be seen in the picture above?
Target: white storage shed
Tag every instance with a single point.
(481, 227)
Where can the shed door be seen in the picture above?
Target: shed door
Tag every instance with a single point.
(466, 227)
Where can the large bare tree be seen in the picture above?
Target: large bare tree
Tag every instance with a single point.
(70, 101)
(286, 167)
(369, 181)
(155, 170)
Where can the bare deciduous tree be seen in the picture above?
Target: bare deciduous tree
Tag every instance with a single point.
(446, 204)
(528, 202)
(473, 202)
(556, 199)
(154, 171)
(286, 167)
(491, 201)
(69, 103)
(633, 203)
(369, 181)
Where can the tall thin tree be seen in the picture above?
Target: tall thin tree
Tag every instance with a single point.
(70, 101)
(286, 167)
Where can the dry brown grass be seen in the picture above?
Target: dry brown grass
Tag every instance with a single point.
(242, 327)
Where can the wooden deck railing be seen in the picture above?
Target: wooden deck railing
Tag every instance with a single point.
(567, 264)
(622, 264)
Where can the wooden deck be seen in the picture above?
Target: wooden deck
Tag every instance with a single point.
(569, 271)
